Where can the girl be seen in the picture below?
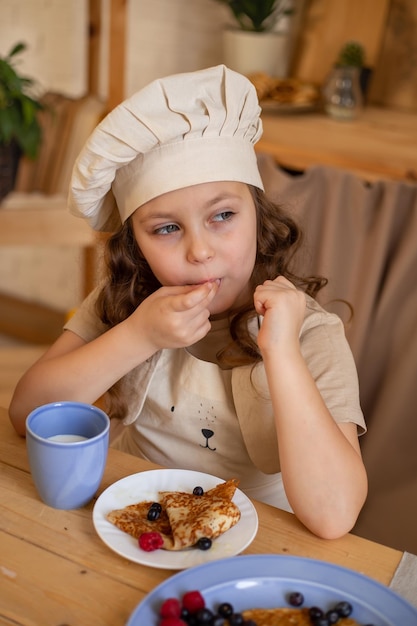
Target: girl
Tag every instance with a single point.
(214, 356)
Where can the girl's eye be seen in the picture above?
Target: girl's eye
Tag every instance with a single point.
(166, 230)
(223, 216)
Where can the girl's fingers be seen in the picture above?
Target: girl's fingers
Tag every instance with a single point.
(279, 295)
(193, 295)
(279, 282)
(178, 315)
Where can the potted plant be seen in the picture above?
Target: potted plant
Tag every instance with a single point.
(258, 15)
(352, 54)
(20, 130)
(255, 44)
(343, 97)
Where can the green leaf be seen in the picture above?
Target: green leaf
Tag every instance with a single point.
(19, 47)
(7, 125)
(258, 15)
(351, 54)
(29, 140)
(18, 109)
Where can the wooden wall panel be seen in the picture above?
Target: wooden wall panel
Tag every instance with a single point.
(394, 83)
(117, 52)
(328, 24)
(94, 37)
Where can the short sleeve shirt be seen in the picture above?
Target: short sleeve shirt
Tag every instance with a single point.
(189, 413)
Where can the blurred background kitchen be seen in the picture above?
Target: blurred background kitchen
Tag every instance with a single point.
(88, 55)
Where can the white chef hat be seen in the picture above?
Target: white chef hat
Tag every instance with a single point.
(178, 131)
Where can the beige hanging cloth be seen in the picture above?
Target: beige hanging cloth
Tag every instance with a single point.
(363, 238)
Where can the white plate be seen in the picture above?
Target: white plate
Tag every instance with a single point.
(145, 486)
(249, 581)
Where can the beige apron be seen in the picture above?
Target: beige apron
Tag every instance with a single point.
(189, 421)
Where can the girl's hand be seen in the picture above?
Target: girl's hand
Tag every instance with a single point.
(174, 317)
(283, 307)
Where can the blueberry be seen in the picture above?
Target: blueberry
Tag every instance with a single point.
(204, 616)
(321, 621)
(225, 609)
(204, 543)
(154, 513)
(198, 491)
(332, 616)
(295, 598)
(185, 614)
(314, 613)
(236, 619)
(344, 609)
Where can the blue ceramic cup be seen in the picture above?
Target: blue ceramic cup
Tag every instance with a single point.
(67, 444)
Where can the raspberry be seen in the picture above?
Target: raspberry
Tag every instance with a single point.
(193, 601)
(170, 608)
(150, 541)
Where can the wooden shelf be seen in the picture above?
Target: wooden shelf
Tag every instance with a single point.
(380, 143)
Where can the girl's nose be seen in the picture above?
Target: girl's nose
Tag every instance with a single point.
(199, 249)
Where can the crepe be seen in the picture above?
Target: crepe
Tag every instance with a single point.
(287, 617)
(185, 518)
(133, 520)
(194, 517)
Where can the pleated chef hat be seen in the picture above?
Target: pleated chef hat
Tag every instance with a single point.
(178, 131)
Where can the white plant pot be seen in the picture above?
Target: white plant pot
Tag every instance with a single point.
(248, 52)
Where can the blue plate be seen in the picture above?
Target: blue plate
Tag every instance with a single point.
(250, 581)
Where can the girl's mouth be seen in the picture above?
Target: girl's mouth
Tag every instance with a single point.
(209, 280)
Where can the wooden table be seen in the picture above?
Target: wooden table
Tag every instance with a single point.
(56, 571)
(380, 143)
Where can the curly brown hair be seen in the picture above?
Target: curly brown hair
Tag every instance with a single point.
(129, 280)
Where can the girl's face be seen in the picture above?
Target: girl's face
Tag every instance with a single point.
(202, 233)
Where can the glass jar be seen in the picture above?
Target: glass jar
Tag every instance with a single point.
(342, 93)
